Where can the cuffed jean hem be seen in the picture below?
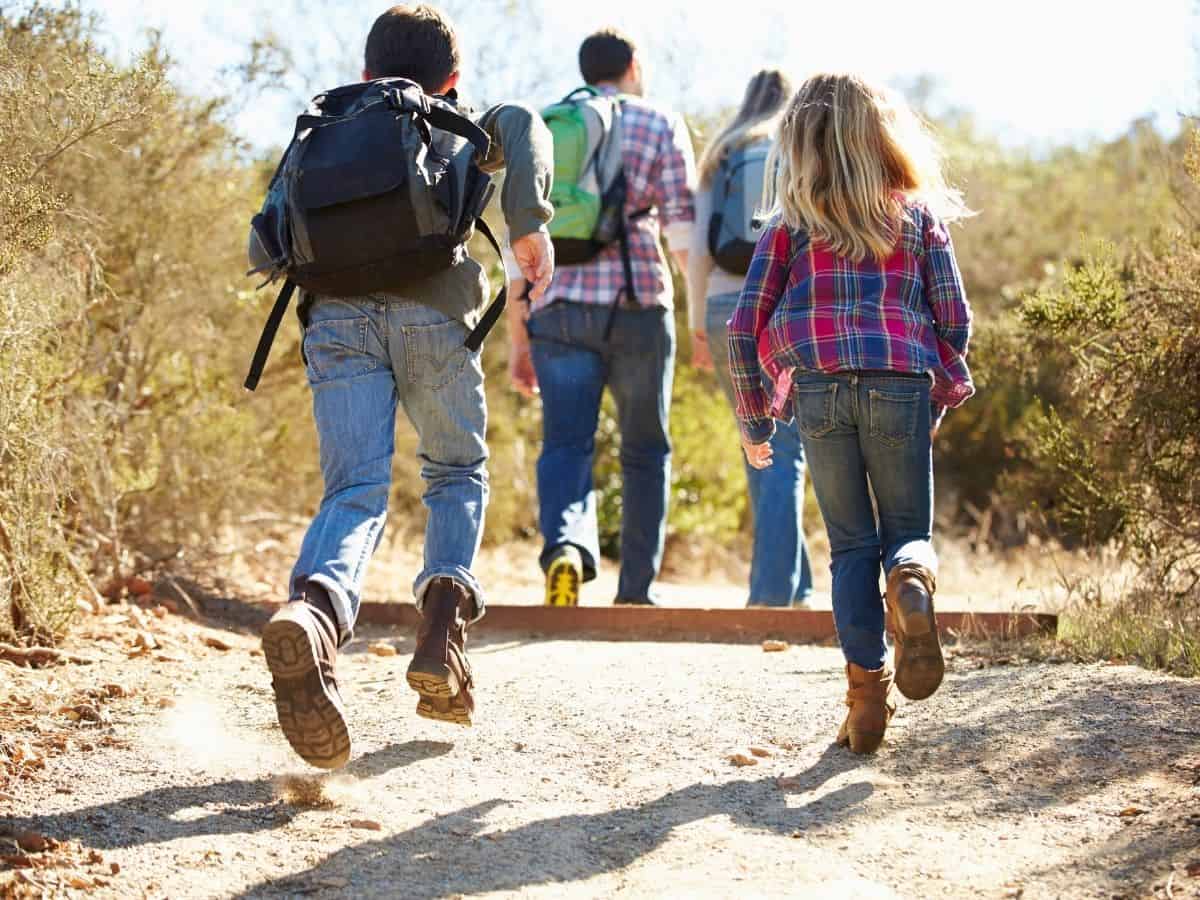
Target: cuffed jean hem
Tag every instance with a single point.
(588, 561)
(459, 574)
(342, 607)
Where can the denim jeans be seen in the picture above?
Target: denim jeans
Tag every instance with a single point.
(780, 573)
(574, 362)
(864, 434)
(365, 356)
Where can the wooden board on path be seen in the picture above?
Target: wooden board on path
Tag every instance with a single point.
(639, 623)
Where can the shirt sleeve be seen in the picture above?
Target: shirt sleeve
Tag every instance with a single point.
(765, 283)
(672, 183)
(700, 263)
(944, 287)
(522, 146)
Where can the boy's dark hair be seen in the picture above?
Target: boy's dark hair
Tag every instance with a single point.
(605, 56)
(415, 42)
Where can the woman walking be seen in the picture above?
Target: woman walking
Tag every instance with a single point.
(731, 173)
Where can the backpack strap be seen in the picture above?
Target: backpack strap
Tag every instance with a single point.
(492, 315)
(259, 362)
(447, 119)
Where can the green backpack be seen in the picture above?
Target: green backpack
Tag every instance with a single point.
(589, 180)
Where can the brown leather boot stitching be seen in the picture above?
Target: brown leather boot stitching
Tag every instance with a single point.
(300, 647)
(871, 708)
(919, 663)
(439, 671)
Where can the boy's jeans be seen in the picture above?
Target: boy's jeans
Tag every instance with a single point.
(864, 434)
(780, 573)
(574, 362)
(365, 355)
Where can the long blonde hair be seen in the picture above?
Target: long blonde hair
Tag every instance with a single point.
(850, 156)
(756, 119)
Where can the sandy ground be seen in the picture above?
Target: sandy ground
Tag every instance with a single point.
(596, 769)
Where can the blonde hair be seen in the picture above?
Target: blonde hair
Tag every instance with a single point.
(849, 158)
(756, 120)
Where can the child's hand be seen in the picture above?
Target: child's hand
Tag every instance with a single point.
(758, 455)
(535, 256)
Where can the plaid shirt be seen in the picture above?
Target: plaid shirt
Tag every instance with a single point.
(660, 171)
(805, 308)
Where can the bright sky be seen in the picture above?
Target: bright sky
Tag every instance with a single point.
(1031, 71)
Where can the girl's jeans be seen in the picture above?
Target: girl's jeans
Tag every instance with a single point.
(868, 434)
(365, 357)
(780, 574)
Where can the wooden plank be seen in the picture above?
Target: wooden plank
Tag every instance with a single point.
(641, 623)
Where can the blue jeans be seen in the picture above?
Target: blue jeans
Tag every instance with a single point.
(780, 572)
(865, 434)
(365, 356)
(574, 363)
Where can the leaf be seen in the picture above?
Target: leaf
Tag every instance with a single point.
(216, 643)
(382, 648)
(365, 824)
(1130, 811)
(760, 752)
(741, 760)
(775, 646)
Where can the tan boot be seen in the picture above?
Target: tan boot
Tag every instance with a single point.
(439, 671)
(919, 663)
(871, 708)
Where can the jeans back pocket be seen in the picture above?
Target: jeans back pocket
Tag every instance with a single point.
(435, 354)
(815, 408)
(337, 349)
(894, 416)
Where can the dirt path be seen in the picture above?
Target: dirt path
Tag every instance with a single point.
(597, 769)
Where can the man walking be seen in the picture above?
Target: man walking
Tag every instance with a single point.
(609, 322)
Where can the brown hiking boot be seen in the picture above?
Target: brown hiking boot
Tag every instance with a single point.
(871, 708)
(439, 670)
(919, 663)
(300, 646)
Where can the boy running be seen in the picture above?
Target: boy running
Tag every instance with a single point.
(366, 355)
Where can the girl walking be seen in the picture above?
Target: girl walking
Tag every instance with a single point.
(855, 307)
(731, 169)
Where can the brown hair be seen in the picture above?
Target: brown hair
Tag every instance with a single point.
(605, 56)
(415, 42)
(765, 97)
(850, 156)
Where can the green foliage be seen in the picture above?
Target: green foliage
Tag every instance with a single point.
(122, 440)
(1118, 458)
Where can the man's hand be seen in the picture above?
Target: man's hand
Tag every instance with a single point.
(520, 361)
(758, 455)
(535, 256)
(520, 370)
(701, 355)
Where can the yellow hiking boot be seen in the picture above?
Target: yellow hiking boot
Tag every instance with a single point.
(564, 575)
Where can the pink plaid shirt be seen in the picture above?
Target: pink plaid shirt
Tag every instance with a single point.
(660, 170)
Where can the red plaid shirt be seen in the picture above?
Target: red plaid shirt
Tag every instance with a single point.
(804, 308)
(660, 172)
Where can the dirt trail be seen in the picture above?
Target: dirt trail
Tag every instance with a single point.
(601, 768)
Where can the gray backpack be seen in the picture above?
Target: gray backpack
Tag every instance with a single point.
(737, 192)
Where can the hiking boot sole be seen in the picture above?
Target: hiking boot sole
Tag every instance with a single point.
(919, 663)
(440, 692)
(562, 583)
(312, 721)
